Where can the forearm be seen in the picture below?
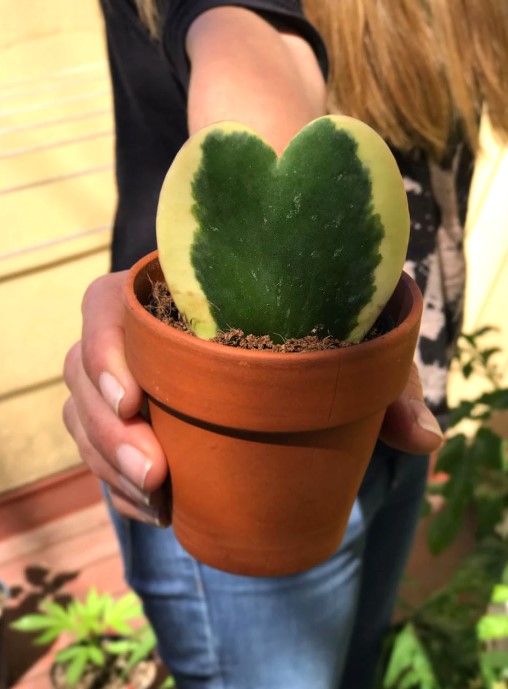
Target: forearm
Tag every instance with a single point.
(243, 69)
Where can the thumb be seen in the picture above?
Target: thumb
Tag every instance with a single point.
(408, 424)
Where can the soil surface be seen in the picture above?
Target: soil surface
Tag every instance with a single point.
(140, 677)
(163, 307)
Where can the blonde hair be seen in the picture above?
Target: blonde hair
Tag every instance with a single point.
(417, 71)
(149, 13)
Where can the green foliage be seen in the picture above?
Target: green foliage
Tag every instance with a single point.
(445, 622)
(409, 664)
(493, 627)
(288, 275)
(311, 241)
(477, 476)
(477, 467)
(492, 630)
(89, 625)
(135, 647)
(454, 640)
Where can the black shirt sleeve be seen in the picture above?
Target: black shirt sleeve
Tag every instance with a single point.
(181, 14)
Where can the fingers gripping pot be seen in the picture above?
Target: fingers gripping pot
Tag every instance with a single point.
(267, 450)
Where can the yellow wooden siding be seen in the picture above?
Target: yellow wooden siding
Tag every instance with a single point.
(57, 196)
(487, 258)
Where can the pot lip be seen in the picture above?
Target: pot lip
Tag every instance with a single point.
(166, 332)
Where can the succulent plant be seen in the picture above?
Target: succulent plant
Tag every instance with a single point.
(313, 241)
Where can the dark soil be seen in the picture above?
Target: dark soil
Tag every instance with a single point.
(141, 676)
(163, 307)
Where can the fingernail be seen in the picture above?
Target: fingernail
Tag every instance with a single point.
(133, 464)
(133, 492)
(111, 390)
(425, 419)
(150, 516)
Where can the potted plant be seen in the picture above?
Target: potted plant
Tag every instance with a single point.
(105, 649)
(267, 449)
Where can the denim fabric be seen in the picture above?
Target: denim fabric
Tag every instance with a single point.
(321, 629)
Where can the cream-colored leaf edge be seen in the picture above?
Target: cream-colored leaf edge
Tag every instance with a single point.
(390, 201)
(176, 227)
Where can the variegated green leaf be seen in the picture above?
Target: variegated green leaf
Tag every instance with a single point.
(312, 241)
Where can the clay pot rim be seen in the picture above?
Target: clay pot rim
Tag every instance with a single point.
(162, 330)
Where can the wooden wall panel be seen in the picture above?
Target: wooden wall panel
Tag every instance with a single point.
(57, 197)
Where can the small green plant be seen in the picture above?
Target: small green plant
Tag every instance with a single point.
(313, 241)
(100, 629)
(135, 647)
(477, 466)
(409, 665)
(436, 647)
(492, 630)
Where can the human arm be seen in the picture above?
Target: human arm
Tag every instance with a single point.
(244, 69)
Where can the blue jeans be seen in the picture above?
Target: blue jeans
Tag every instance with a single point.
(321, 629)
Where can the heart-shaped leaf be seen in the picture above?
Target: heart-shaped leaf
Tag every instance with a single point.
(313, 241)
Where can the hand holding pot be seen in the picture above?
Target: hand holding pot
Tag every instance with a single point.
(103, 412)
(408, 424)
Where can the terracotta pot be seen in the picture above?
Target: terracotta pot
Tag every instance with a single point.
(266, 450)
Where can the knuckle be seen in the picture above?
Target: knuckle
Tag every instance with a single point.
(93, 293)
(92, 458)
(91, 430)
(97, 350)
(92, 435)
(71, 362)
(68, 415)
(89, 456)
(97, 430)
(91, 358)
(87, 452)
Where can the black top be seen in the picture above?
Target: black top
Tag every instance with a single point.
(150, 83)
